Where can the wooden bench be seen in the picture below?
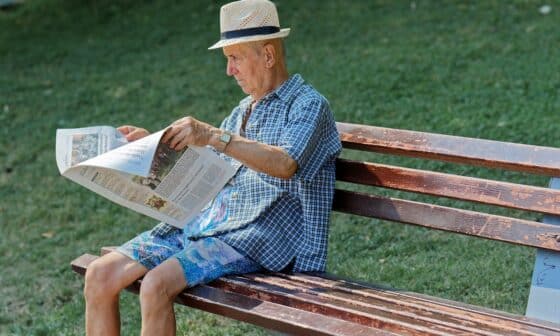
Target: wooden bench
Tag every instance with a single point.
(323, 304)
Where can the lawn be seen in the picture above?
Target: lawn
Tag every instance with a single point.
(487, 69)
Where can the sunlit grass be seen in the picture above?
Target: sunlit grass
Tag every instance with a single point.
(485, 69)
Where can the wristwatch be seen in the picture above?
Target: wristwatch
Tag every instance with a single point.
(225, 139)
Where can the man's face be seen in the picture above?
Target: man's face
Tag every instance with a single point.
(246, 64)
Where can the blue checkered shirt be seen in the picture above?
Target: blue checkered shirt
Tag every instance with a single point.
(277, 221)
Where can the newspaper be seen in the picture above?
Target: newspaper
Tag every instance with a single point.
(146, 175)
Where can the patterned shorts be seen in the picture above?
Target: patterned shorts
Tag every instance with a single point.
(202, 260)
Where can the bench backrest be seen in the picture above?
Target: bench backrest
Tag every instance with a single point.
(493, 154)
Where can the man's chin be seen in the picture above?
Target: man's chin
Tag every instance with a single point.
(244, 90)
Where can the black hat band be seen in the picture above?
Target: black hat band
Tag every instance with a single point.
(265, 30)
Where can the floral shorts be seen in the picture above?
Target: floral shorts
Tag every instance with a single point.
(202, 260)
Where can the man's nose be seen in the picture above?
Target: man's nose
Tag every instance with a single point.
(230, 69)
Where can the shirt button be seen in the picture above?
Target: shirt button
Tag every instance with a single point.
(234, 195)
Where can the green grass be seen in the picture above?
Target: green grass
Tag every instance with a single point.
(485, 69)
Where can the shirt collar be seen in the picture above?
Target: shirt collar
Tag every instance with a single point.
(288, 88)
(283, 92)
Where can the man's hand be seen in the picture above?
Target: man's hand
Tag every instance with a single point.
(132, 132)
(188, 131)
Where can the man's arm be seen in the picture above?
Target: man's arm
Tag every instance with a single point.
(268, 159)
(261, 157)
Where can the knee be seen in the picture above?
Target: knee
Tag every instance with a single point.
(99, 282)
(154, 292)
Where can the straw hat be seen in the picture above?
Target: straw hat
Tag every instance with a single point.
(249, 20)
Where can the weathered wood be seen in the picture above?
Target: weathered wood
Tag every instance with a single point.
(459, 309)
(266, 314)
(332, 298)
(474, 314)
(397, 312)
(510, 195)
(512, 230)
(487, 153)
(349, 307)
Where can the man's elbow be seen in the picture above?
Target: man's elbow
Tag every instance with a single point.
(289, 168)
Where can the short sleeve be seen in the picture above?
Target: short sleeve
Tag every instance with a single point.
(308, 137)
(224, 123)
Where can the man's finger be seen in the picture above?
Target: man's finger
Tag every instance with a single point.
(135, 135)
(164, 137)
(179, 137)
(181, 145)
(169, 134)
(125, 129)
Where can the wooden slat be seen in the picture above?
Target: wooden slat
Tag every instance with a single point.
(370, 312)
(509, 323)
(510, 195)
(512, 230)
(266, 314)
(396, 313)
(463, 309)
(487, 153)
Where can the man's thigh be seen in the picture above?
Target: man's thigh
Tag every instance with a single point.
(199, 262)
(209, 258)
(152, 248)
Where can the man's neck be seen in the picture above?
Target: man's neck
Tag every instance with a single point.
(276, 77)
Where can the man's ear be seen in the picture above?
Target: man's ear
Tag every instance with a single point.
(269, 55)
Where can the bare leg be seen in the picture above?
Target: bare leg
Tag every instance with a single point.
(105, 278)
(157, 293)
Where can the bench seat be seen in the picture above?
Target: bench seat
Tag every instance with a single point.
(323, 304)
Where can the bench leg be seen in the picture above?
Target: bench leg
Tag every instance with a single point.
(545, 287)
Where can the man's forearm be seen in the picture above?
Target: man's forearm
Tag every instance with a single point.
(268, 159)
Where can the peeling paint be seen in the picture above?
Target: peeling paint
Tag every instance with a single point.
(549, 240)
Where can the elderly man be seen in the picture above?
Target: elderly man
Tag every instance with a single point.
(273, 214)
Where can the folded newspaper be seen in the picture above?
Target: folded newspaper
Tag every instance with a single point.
(146, 175)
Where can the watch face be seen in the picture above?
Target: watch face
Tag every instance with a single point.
(225, 137)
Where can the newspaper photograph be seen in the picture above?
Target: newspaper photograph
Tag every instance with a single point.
(146, 175)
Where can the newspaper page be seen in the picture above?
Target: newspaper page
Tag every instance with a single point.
(146, 175)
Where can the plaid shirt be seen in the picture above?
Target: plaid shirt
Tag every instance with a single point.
(276, 221)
